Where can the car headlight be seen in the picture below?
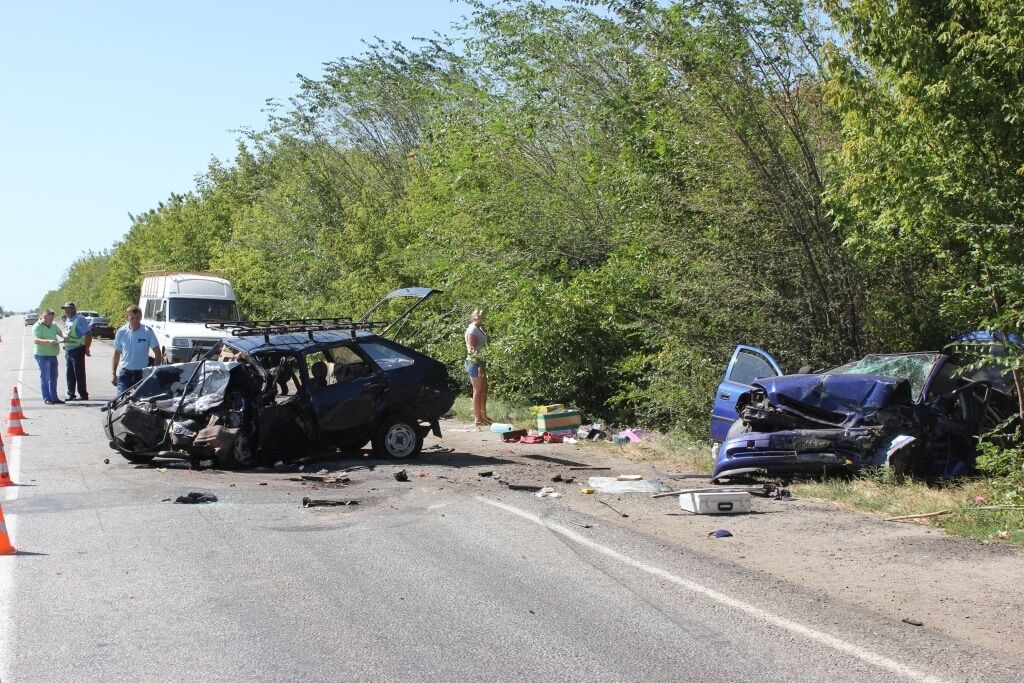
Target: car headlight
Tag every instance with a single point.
(181, 342)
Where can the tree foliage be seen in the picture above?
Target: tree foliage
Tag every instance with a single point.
(630, 189)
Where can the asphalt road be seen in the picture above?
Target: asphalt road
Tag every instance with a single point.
(424, 581)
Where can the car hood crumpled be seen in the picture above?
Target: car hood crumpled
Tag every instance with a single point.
(840, 399)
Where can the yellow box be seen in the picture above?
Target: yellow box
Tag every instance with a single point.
(558, 420)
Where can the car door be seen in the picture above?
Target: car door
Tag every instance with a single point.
(346, 408)
(748, 364)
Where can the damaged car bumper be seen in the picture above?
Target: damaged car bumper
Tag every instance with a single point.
(798, 451)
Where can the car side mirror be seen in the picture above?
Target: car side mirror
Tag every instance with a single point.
(159, 315)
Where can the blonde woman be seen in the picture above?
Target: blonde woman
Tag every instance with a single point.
(476, 367)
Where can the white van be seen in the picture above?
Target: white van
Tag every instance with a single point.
(178, 305)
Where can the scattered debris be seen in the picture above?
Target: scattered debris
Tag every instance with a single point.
(591, 433)
(548, 492)
(401, 475)
(621, 514)
(513, 436)
(488, 473)
(950, 511)
(437, 448)
(571, 464)
(522, 487)
(613, 485)
(564, 480)
(757, 490)
(586, 490)
(317, 503)
(720, 533)
(262, 483)
(912, 622)
(106, 461)
(324, 478)
(196, 497)
(629, 477)
(587, 467)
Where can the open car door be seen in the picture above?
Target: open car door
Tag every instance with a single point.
(748, 365)
(417, 294)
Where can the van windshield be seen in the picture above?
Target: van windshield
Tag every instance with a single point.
(201, 310)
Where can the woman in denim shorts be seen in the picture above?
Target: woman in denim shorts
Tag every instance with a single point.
(476, 367)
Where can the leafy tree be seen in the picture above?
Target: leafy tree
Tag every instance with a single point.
(933, 160)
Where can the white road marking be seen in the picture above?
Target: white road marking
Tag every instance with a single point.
(808, 632)
(13, 454)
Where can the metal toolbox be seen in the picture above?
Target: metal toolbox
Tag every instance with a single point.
(715, 502)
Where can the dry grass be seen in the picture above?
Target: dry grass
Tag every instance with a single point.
(914, 498)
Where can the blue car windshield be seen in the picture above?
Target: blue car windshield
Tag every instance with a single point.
(913, 367)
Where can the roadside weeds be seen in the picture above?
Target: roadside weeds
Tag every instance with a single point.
(963, 499)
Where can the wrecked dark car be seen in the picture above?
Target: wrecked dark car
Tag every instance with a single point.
(276, 390)
(918, 414)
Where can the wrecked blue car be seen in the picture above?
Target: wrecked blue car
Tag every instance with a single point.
(918, 414)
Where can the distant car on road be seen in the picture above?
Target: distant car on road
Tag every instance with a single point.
(277, 390)
(31, 318)
(100, 324)
(915, 413)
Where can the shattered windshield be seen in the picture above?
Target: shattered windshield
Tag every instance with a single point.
(206, 390)
(913, 367)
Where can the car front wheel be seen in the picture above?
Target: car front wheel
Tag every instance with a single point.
(398, 437)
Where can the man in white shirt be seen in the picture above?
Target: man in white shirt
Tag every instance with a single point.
(132, 343)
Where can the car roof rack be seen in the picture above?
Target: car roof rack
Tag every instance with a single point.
(265, 328)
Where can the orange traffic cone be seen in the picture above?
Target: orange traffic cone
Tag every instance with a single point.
(5, 541)
(16, 405)
(5, 474)
(14, 425)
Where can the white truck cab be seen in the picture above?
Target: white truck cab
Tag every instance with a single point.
(178, 305)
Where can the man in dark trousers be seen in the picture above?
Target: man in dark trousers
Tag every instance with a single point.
(77, 340)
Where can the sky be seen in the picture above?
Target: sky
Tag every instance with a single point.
(109, 107)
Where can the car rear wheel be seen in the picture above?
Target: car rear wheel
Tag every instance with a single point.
(398, 437)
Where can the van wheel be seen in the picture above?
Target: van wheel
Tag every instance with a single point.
(398, 437)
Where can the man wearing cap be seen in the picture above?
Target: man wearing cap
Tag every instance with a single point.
(132, 343)
(77, 340)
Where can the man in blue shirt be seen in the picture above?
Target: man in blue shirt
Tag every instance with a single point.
(132, 343)
(77, 340)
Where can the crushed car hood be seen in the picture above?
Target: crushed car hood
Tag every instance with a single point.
(838, 399)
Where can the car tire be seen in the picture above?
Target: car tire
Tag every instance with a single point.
(738, 428)
(398, 437)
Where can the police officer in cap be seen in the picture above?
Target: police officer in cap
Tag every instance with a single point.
(77, 340)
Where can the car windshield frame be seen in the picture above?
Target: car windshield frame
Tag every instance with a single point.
(916, 368)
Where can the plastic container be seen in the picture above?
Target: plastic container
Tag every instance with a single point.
(501, 427)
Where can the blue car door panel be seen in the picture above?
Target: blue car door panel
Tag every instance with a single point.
(748, 364)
